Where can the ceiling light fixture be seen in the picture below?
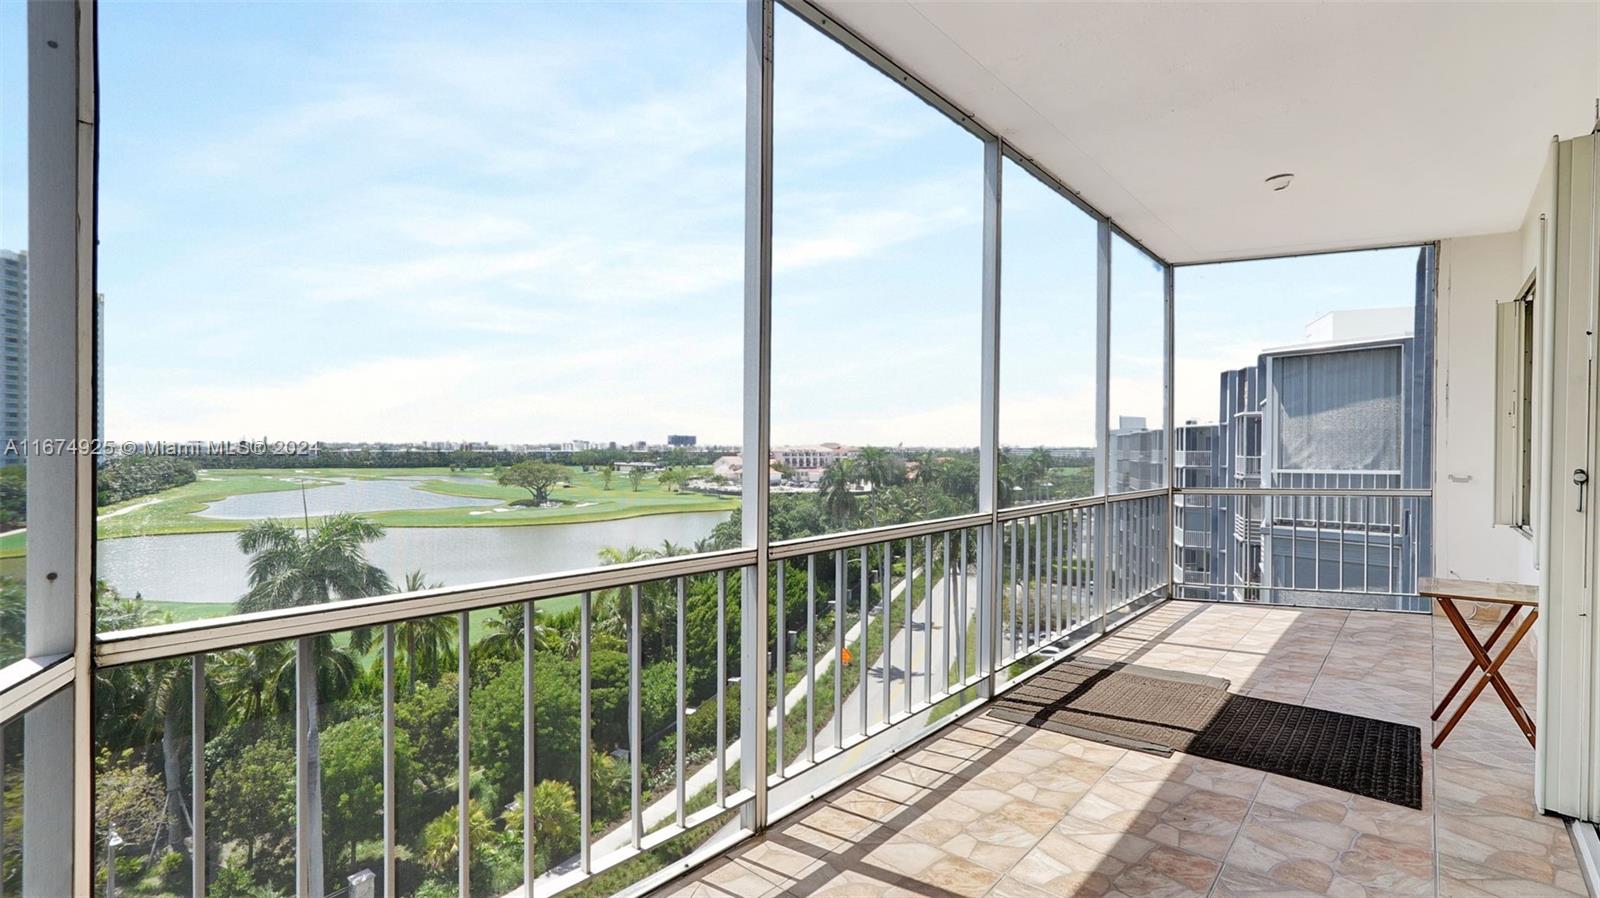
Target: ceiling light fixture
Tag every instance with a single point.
(1280, 181)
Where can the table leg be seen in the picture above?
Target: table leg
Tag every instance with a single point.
(1491, 676)
(1473, 664)
(1481, 656)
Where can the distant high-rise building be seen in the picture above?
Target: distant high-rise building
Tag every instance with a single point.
(99, 366)
(1137, 456)
(14, 358)
(680, 439)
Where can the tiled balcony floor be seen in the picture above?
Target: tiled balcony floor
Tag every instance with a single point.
(989, 808)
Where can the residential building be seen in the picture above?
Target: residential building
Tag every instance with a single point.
(809, 461)
(13, 351)
(1138, 460)
(1335, 415)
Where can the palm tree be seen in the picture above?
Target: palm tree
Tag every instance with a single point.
(165, 686)
(429, 642)
(256, 681)
(837, 499)
(611, 555)
(930, 468)
(288, 570)
(879, 467)
(613, 608)
(503, 637)
(147, 701)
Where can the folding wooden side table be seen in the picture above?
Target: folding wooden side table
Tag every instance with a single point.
(1517, 597)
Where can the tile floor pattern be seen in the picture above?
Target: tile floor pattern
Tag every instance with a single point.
(993, 809)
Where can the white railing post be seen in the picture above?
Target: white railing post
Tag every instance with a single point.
(1167, 555)
(989, 433)
(197, 775)
(308, 773)
(757, 406)
(389, 803)
(463, 754)
(1102, 420)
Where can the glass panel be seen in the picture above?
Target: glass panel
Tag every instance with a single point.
(250, 768)
(427, 728)
(1138, 320)
(1047, 357)
(877, 257)
(350, 752)
(419, 254)
(13, 326)
(144, 800)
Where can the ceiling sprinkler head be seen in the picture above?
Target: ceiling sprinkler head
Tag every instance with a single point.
(1281, 181)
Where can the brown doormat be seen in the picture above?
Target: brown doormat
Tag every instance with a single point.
(1165, 711)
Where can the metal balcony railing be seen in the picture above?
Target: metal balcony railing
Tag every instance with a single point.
(1247, 466)
(862, 638)
(1340, 546)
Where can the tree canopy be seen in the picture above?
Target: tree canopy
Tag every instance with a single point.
(537, 477)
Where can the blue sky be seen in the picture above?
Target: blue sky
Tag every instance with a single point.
(520, 222)
(1226, 314)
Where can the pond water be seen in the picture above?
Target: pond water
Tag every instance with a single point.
(208, 567)
(350, 496)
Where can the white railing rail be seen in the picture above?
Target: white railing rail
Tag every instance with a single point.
(870, 631)
(1330, 546)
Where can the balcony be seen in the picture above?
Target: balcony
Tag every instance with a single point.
(993, 808)
(695, 428)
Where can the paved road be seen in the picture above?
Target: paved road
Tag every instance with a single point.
(925, 611)
(872, 694)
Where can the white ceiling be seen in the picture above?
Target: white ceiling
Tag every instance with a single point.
(1401, 122)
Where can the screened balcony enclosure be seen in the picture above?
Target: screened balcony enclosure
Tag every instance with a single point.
(756, 448)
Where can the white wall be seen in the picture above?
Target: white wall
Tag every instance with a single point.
(1475, 274)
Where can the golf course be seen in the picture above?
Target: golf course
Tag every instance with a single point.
(175, 547)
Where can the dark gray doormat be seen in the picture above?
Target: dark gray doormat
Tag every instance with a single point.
(1161, 712)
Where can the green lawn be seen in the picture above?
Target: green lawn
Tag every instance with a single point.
(584, 499)
(187, 611)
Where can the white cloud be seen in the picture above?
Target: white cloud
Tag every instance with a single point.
(437, 233)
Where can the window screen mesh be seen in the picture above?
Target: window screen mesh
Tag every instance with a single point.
(1339, 411)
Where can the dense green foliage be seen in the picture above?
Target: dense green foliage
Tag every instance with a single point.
(143, 714)
(132, 476)
(13, 496)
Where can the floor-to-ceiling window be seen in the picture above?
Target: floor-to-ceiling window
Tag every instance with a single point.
(400, 298)
(1048, 353)
(1137, 456)
(876, 296)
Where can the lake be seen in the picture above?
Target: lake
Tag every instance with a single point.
(345, 496)
(208, 567)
